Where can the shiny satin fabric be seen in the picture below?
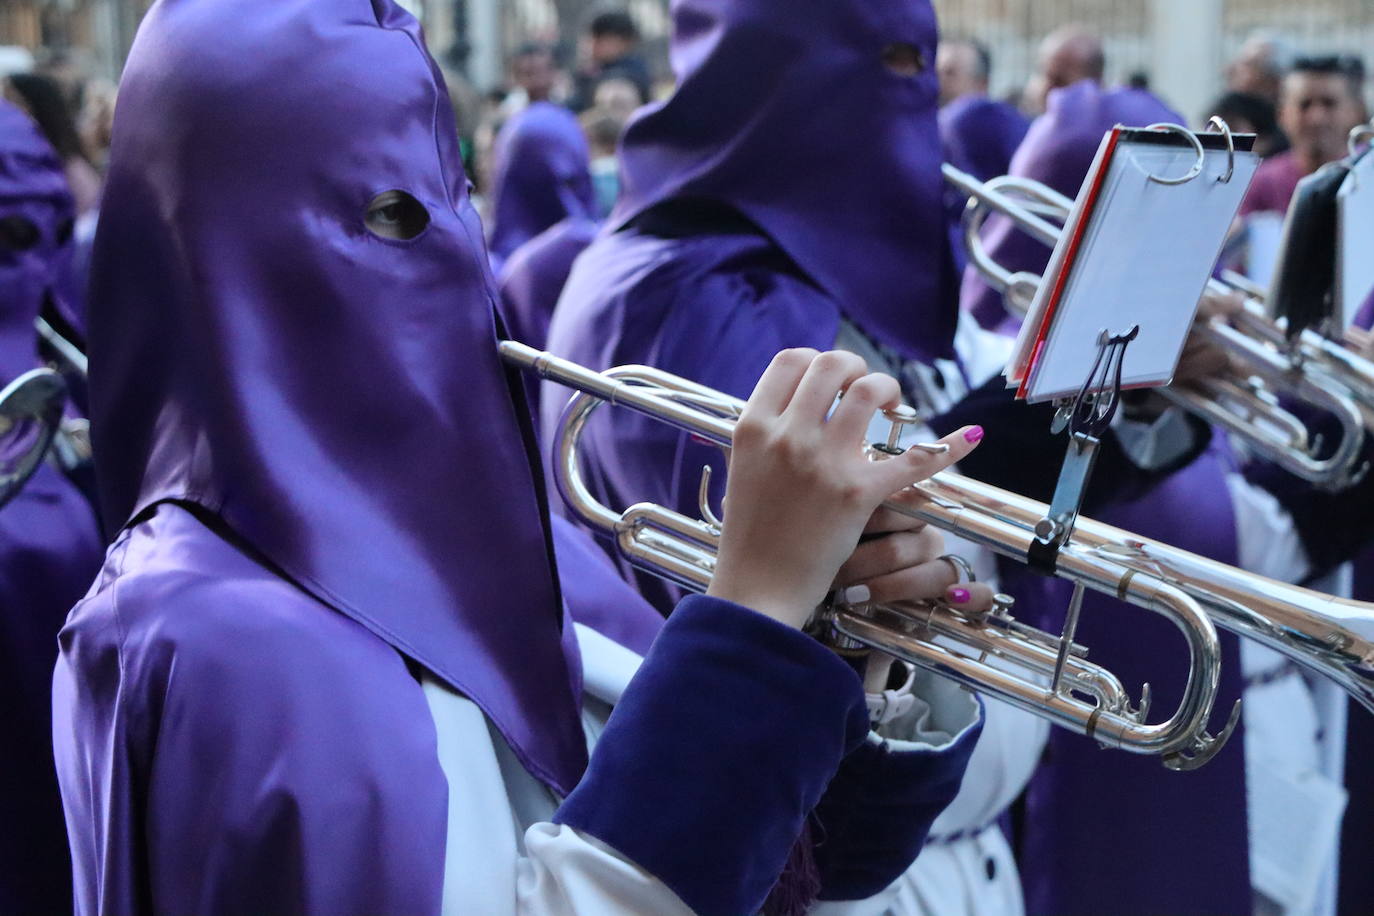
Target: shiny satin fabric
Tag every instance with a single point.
(542, 174)
(331, 397)
(1058, 150)
(50, 546)
(788, 113)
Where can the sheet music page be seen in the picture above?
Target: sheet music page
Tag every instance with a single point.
(1035, 317)
(1145, 260)
(1355, 242)
(1264, 234)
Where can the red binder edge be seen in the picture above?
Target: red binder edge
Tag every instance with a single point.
(1070, 255)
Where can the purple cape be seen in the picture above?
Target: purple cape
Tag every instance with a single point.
(49, 544)
(541, 175)
(236, 358)
(853, 181)
(532, 278)
(979, 135)
(1058, 150)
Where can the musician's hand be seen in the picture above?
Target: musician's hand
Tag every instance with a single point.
(800, 490)
(899, 559)
(1201, 358)
(1361, 341)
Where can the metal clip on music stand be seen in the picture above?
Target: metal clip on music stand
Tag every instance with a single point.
(1087, 418)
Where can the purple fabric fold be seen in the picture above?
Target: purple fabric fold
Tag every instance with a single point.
(980, 135)
(229, 745)
(854, 181)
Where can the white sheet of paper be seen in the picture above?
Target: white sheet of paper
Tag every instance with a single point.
(1145, 260)
(1030, 326)
(1355, 248)
(1264, 234)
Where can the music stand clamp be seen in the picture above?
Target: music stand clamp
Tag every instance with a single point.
(1087, 418)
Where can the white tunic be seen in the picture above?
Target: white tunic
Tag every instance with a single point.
(505, 858)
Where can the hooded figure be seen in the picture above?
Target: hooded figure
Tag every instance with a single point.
(49, 543)
(327, 668)
(541, 175)
(789, 195)
(980, 135)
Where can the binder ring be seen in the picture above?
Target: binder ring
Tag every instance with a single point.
(1225, 129)
(1193, 141)
(1357, 136)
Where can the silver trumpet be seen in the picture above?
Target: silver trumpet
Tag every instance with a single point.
(30, 413)
(1248, 407)
(1034, 670)
(993, 653)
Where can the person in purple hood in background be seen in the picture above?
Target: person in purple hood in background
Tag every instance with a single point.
(540, 176)
(751, 219)
(327, 668)
(49, 541)
(1071, 864)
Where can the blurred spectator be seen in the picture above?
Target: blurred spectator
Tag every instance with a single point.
(1321, 102)
(617, 97)
(611, 51)
(96, 120)
(603, 128)
(1252, 114)
(978, 135)
(41, 98)
(1138, 79)
(534, 77)
(964, 67)
(1260, 66)
(1069, 55)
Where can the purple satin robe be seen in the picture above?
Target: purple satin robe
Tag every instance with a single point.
(531, 280)
(980, 135)
(541, 175)
(50, 545)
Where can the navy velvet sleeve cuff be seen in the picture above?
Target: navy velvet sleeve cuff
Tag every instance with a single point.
(877, 812)
(719, 749)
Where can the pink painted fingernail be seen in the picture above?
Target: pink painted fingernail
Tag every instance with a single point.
(973, 434)
(959, 595)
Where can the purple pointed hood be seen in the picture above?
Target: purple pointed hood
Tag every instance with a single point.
(1058, 151)
(334, 398)
(542, 175)
(786, 112)
(36, 214)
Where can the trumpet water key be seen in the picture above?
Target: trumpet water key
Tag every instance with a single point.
(1038, 671)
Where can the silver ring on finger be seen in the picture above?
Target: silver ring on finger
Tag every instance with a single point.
(963, 570)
